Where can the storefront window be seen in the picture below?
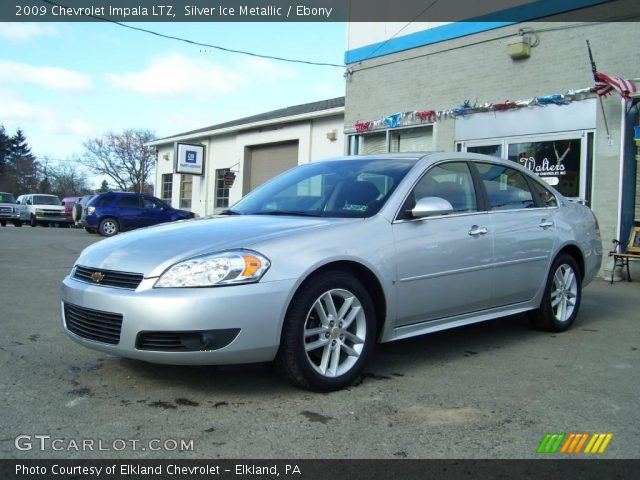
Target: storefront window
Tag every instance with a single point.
(372, 143)
(186, 186)
(411, 140)
(491, 150)
(556, 161)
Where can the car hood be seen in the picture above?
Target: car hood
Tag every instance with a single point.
(152, 250)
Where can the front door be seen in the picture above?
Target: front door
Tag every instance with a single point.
(443, 262)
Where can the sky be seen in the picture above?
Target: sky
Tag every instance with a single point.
(63, 83)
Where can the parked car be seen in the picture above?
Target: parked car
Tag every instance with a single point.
(9, 210)
(313, 268)
(68, 203)
(112, 212)
(41, 209)
(79, 211)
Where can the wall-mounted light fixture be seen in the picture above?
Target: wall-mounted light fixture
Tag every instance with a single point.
(332, 135)
(166, 156)
(522, 48)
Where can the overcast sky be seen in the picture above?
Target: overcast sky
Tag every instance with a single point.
(65, 82)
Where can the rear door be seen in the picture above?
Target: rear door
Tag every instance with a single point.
(443, 261)
(523, 229)
(130, 212)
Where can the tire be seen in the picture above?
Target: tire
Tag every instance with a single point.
(32, 221)
(17, 223)
(319, 368)
(76, 212)
(564, 288)
(3, 223)
(108, 227)
(90, 230)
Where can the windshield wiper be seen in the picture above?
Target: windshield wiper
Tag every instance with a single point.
(298, 213)
(228, 211)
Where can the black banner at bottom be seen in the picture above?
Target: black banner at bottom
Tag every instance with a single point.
(584, 469)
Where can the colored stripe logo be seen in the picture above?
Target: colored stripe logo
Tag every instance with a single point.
(573, 443)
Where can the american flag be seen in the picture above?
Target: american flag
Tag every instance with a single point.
(606, 84)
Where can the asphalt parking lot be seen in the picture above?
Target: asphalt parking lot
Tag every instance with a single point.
(486, 391)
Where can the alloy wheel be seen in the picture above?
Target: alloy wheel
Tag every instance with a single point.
(564, 292)
(335, 332)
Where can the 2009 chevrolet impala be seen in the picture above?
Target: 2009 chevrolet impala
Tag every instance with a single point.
(314, 267)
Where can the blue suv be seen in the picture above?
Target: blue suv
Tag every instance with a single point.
(112, 212)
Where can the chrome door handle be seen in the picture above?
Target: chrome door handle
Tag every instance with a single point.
(546, 224)
(476, 230)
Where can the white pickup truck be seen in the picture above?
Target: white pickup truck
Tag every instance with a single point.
(41, 209)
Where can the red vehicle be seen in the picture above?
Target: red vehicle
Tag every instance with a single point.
(68, 203)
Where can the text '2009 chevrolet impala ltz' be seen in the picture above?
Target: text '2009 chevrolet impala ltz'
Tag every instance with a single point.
(317, 265)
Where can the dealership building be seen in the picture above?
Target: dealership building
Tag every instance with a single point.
(520, 91)
(208, 169)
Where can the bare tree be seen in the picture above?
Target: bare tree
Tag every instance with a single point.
(66, 178)
(122, 157)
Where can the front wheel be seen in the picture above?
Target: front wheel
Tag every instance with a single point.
(32, 221)
(328, 332)
(17, 223)
(561, 300)
(108, 227)
(89, 230)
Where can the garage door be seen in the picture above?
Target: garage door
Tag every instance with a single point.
(266, 161)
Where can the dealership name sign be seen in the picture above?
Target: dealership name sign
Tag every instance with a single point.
(189, 158)
(545, 168)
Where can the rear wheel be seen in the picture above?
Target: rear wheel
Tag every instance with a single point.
(17, 223)
(108, 227)
(561, 300)
(328, 332)
(3, 223)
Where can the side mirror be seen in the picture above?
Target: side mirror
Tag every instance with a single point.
(428, 206)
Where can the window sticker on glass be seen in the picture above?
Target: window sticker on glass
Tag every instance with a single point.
(355, 208)
(503, 182)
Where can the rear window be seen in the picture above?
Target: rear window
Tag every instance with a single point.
(129, 201)
(101, 201)
(506, 187)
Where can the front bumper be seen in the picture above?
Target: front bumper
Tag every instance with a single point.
(256, 309)
(9, 216)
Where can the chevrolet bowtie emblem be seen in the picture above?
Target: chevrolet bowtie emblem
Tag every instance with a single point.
(97, 277)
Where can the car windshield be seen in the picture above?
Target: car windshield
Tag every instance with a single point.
(7, 198)
(45, 200)
(336, 188)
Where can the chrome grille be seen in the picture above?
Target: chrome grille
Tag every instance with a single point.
(93, 324)
(108, 278)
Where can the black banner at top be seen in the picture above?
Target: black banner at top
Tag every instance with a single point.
(317, 10)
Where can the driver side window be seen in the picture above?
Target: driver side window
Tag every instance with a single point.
(450, 181)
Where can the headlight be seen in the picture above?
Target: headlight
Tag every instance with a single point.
(226, 268)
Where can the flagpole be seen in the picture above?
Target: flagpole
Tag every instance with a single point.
(593, 70)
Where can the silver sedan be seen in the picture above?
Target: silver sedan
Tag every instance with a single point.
(317, 265)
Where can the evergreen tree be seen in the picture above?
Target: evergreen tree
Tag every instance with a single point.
(104, 187)
(23, 164)
(5, 181)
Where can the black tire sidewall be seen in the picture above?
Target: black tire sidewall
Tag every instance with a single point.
(32, 221)
(292, 353)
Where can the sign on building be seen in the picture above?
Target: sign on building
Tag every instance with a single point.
(189, 158)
